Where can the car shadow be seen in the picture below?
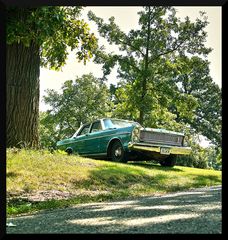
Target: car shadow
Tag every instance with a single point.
(151, 165)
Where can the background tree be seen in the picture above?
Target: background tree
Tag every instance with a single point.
(48, 130)
(38, 37)
(194, 78)
(83, 100)
(147, 55)
(161, 97)
(201, 157)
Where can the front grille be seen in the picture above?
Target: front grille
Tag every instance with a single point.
(157, 137)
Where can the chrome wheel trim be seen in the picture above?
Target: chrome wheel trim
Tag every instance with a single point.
(118, 152)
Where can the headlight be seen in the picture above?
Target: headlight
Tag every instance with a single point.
(135, 135)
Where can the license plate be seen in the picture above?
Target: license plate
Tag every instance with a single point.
(165, 151)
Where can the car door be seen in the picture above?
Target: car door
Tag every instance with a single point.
(93, 138)
(110, 131)
(80, 140)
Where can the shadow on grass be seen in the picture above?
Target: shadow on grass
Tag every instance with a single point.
(12, 174)
(128, 181)
(121, 181)
(152, 165)
(206, 180)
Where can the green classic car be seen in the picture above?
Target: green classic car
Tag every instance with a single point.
(123, 140)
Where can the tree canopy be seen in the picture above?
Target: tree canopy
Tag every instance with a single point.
(54, 29)
(152, 62)
(80, 101)
(37, 37)
(194, 79)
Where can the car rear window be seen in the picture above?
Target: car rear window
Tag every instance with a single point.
(111, 123)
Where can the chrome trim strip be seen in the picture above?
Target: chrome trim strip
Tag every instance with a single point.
(152, 144)
(114, 134)
(158, 143)
(161, 130)
(94, 154)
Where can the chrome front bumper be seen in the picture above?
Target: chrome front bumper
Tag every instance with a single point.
(160, 148)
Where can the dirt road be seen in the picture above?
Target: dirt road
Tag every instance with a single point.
(195, 211)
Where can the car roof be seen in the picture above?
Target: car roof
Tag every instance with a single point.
(124, 120)
(118, 119)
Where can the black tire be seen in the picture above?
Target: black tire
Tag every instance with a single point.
(117, 153)
(69, 151)
(170, 161)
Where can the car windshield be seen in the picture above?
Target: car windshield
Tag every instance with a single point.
(115, 123)
(76, 133)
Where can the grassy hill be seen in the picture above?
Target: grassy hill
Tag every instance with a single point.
(40, 180)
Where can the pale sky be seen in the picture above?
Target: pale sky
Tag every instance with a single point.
(127, 19)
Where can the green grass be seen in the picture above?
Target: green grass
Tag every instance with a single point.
(87, 180)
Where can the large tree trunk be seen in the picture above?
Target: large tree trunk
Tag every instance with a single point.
(22, 99)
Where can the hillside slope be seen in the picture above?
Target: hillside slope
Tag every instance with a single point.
(38, 180)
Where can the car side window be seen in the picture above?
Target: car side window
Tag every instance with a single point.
(96, 127)
(84, 130)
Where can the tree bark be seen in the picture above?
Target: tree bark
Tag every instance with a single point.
(22, 99)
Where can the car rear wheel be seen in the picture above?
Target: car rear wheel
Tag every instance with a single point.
(69, 151)
(117, 153)
(170, 161)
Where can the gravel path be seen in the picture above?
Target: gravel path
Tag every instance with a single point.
(195, 211)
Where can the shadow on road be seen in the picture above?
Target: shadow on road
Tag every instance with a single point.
(196, 211)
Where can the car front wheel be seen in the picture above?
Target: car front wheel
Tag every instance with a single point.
(117, 153)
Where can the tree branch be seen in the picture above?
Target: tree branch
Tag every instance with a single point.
(166, 52)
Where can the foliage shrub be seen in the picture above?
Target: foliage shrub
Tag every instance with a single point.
(209, 157)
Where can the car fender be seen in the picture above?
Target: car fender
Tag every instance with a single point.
(124, 144)
(110, 142)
